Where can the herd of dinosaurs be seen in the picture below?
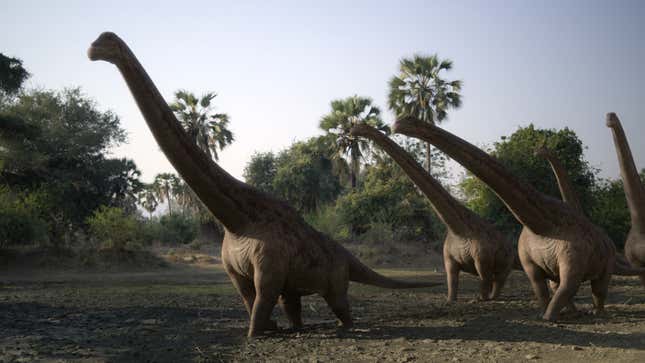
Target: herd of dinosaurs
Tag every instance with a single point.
(272, 255)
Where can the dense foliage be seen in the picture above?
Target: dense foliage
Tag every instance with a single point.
(56, 144)
(304, 174)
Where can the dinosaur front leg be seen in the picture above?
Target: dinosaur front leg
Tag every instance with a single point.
(498, 284)
(564, 294)
(245, 288)
(267, 288)
(293, 309)
(452, 277)
(571, 307)
(537, 278)
(485, 271)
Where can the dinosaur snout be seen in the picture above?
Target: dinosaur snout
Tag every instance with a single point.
(612, 120)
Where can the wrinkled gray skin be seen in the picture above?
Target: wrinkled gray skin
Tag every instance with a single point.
(268, 251)
(635, 194)
(472, 244)
(557, 242)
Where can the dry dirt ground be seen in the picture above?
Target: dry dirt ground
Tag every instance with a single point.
(192, 313)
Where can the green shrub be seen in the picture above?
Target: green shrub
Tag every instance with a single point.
(328, 221)
(177, 229)
(112, 228)
(20, 222)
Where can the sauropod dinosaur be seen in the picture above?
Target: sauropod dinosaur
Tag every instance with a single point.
(570, 197)
(635, 194)
(472, 244)
(557, 242)
(268, 250)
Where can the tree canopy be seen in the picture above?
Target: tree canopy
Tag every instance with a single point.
(516, 153)
(209, 131)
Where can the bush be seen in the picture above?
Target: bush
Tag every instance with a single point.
(20, 222)
(112, 228)
(177, 229)
(328, 221)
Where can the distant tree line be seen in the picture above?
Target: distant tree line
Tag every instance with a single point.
(59, 184)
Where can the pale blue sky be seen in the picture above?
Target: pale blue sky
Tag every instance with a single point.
(277, 65)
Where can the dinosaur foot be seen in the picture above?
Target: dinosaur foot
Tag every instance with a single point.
(270, 326)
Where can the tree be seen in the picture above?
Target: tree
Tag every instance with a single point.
(516, 153)
(419, 91)
(12, 74)
(344, 114)
(148, 199)
(163, 186)
(55, 145)
(208, 131)
(609, 208)
(305, 175)
(261, 170)
(388, 198)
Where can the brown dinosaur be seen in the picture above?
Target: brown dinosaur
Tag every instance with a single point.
(635, 194)
(268, 250)
(570, 197)
(557, 242)
(472, 244)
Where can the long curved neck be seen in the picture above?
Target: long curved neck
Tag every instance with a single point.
(567, 192)
(634, 190)
(452, 213)
(528, 205)
(219, 191)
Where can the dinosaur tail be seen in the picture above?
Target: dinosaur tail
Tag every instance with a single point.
(623, 268)
(360, 273)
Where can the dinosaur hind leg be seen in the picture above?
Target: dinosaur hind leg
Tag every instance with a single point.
(293, 309)
(569, 284)
(338, 301)
(599, 288)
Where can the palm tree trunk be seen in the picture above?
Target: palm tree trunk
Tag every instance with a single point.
(169, 202)
(429, 157)
(353, 174)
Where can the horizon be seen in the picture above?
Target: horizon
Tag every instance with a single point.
(276, 68)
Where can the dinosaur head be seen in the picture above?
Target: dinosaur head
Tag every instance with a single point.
(612, 120)
(542, 151)
(107, 47)
(404, 124)
(359, 129)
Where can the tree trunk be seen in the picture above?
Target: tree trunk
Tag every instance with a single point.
(429, 158)
(169, 202)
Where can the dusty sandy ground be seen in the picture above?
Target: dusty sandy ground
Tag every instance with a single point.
(188, 313)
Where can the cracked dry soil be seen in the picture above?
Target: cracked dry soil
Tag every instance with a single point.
(193, 314)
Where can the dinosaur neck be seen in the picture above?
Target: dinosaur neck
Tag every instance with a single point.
(634, 190)
(219, 191)
(527, 204)
(564, 183)
(454, 215)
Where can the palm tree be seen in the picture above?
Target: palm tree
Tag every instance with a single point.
(208, 131)
(419, 91)
(163, 186)
(344, 114)
(148, 199)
